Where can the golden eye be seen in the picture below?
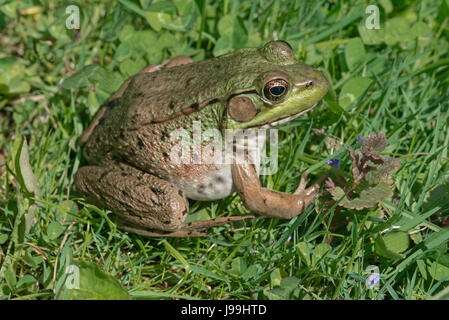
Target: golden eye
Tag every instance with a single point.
(276, 89)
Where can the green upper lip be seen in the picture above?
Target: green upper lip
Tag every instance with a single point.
(287, 116)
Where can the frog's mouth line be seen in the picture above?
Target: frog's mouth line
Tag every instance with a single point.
(284, 120)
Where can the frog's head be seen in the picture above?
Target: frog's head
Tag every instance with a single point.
(282, 90)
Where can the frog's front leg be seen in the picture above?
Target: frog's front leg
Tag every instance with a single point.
(269, 202)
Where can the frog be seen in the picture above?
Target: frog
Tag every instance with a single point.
(128, 146)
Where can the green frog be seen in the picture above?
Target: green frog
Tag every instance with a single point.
(129, 145)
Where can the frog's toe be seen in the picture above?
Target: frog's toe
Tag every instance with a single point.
(155, 233)
(205, 224)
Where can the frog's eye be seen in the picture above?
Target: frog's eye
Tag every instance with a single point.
(275, 90)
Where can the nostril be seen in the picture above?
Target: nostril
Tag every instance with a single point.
(309, 84)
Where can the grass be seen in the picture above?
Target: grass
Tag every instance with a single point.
(394, 80)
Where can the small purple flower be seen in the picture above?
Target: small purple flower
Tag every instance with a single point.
(334, 163)
(359, 138)
(289, 238)
(373, 279)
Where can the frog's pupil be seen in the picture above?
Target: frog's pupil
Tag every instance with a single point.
(277, 90)
(274, 90)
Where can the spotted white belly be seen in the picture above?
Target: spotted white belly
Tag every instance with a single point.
(211, 185)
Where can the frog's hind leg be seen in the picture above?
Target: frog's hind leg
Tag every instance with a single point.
(145, 204)
(191, 229)
(139, 199)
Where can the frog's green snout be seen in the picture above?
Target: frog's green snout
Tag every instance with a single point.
(320, 84)
(313, 84)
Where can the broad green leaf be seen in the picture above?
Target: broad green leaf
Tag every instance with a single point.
(397, 241)
(397, 30)
(352, 90)
(383, 171)
(186, 15)
(11, 280)
(32, 261)
(12, 73)
(29, 179)
(313, 56)
(354, 53)
(93, 103)
(85, 281)
(319, 252)
(9, 8)
(289, 283)
(106, 81)
(304, 252)
(250, 272)
(422, 31)
(238, 266)
(274, 294)
(58, 31)
(144, 42)
(233, 34)
(383, 250)
(387, 5)
(130, 67)
(223, 45)
(438, 196)
(18, 85)
(123, 52)
(371, 36)
(438, 271)
(26, 281)
(198, 216)
(80, 79)
(157, 19)
(68, 206)
(275, 278)
(3, 238)
(369, 197)
(54, 230)
(126, 33)
(166, 40)
(422, 267)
